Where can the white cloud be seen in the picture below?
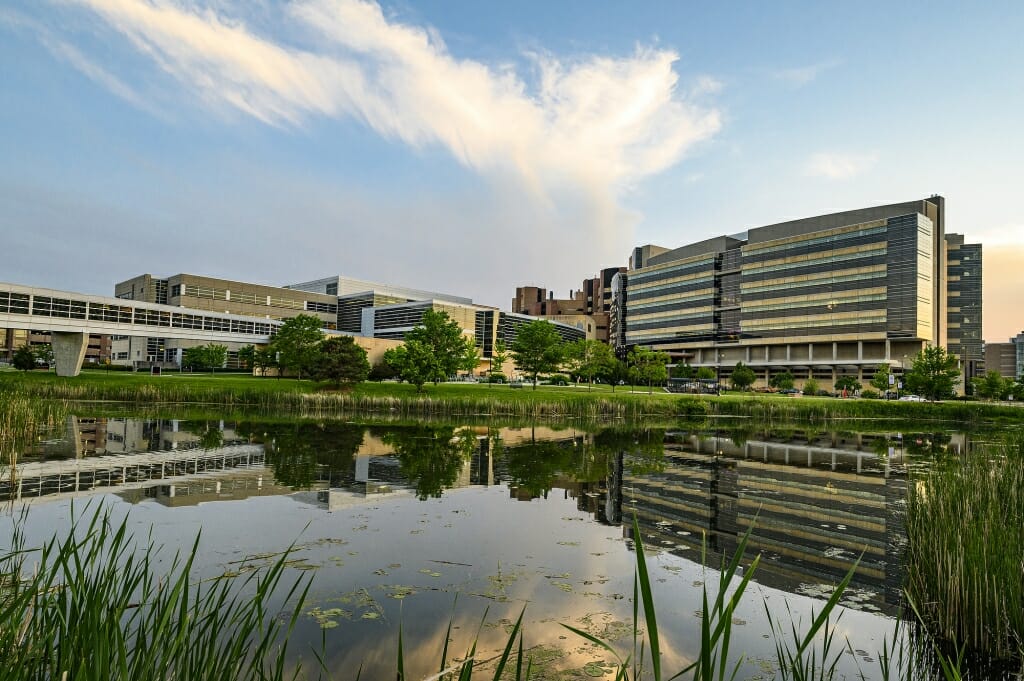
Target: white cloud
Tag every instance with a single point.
(593, 124)
(839, 165)
(803, 75)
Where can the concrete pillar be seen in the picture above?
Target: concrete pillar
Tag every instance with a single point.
(69, 351)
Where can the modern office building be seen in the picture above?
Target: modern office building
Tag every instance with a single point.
(963, 311)
(216, 295)
(825, 296)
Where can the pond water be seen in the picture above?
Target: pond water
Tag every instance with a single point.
(393, 521)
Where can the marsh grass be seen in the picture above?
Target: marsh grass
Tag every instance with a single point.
(965, 535)
(94, 604)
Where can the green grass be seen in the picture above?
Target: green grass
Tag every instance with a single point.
(306, 398)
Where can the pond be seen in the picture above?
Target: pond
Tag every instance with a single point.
(394, 521)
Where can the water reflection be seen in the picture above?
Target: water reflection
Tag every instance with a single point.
(499, 514)
(815, 500)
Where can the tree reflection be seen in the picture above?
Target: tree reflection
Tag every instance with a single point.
(301, 453)
(431, 457)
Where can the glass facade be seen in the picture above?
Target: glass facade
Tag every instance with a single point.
(963, 312)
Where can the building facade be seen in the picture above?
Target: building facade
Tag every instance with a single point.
(590, 305)
(822, 297)
(1006, 358)
(215, 295)
(963, 310)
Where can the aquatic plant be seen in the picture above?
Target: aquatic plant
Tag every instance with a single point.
(92, 604)
(965, 539)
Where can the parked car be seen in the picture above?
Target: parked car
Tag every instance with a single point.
(912, 398)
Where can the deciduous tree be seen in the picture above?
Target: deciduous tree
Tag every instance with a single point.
(441, 337)
(340, 360)
(880, 381)
(649, 366)
(297, 343)
(24, 359)
(935, 373)
(742, 376)
(589, 359)
(537, 349)
(783, 381)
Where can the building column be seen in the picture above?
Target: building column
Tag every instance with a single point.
(860, 350)
(835, 352)
(69, 351)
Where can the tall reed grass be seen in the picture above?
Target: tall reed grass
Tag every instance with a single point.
(93, 604)
(965, 550)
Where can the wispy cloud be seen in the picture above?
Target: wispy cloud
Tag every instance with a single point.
(839, 165)
(597, 121)
(802, 75)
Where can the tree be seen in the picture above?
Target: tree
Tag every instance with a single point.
(441, 337)
(499, 355)
(382, 371)
(43, 354)
(589, 359)
(414, 362)
(683, 371)
(470, 358)
(880, 381)
(742, 376)
(810, 386)
(340, 360)
(648, 366)
(264, 358)
(247, 356)
(297, 343)
(537, 349)
(992, 386)
(783, 381)
(24, 359)
(935, 373)
(848, 384)
(202, 357)
(706, 374)
(617, 372)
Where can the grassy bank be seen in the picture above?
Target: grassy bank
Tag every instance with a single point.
(547, 402)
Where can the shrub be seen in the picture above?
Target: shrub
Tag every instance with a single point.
(870, 394)
(558, 379)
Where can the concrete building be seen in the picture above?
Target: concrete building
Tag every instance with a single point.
(963, 311)
(355, 295)
(1006, 358)
(590, 305)
(97, 351)
(822, 297)
(215, 295)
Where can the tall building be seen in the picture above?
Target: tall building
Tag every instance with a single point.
(963, 312)
(97, 349)
(823, 297)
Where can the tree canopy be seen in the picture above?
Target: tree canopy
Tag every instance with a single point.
(210, 356)
(537, 349)
(880, 381)
(934, 375)
(742, 376)
(992, 386)
(589, 359)
(297, 343)
(648, 366)
(783, 381)
(340, 360)
(442, 340)
(24, 359)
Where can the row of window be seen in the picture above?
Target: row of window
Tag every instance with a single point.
(67, 308)
(821, 260)
(242, 297)
(826, 239)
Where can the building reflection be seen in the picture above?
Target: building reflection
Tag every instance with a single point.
(812, 503)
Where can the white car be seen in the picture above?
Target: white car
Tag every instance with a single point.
(912, 398)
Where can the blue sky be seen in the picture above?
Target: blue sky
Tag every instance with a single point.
(473, 147)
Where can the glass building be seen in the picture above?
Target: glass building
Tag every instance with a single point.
(823, 297)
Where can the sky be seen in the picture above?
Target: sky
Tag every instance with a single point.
(470, 147)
